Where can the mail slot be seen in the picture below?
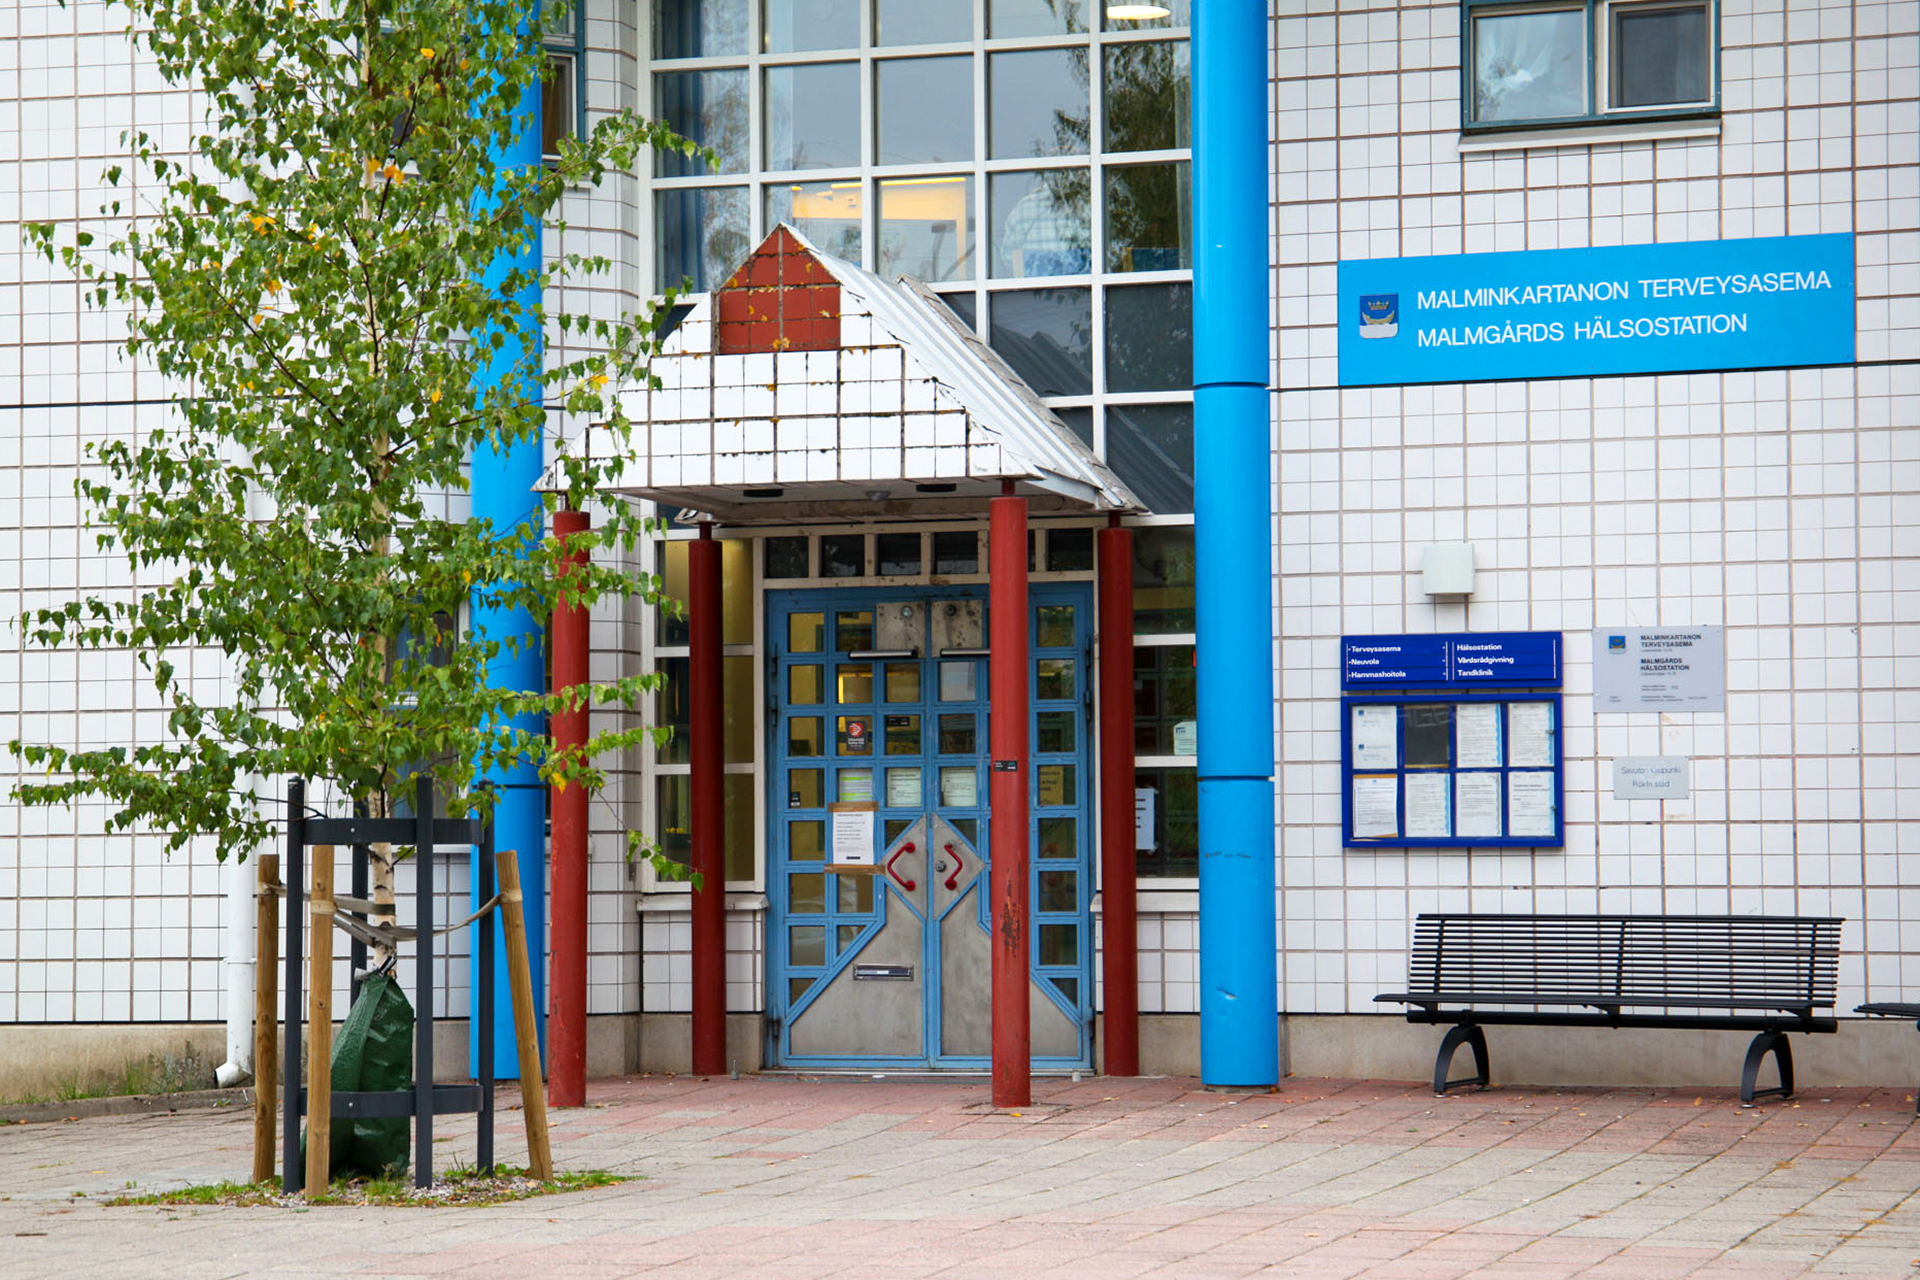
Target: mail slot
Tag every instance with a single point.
(883, 972)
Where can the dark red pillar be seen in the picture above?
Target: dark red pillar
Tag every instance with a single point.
(1009, 801)
(1119, 936)
(567, 995)
(708, 819)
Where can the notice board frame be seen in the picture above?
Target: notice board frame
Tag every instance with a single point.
(1400, 771)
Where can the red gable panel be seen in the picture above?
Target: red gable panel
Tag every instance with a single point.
(781, 299)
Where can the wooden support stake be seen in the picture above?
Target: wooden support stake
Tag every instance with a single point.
(266, 990)
(533, 1093)
(320, 1026)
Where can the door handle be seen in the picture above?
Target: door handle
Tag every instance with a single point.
(901, 880)
(959, 864)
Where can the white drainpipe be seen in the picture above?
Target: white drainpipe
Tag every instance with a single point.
(241, 875)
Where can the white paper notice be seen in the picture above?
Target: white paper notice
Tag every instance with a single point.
(903, 788)
(1476, 805)
(1530, 804)
(1143, 817)
(1374, 731)
(1375, 801)
(1429, 806)
(852, 837)
(1476, 735)
(1530, 735)
(959, 786)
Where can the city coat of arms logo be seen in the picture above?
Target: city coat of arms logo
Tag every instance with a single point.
(1379, 315)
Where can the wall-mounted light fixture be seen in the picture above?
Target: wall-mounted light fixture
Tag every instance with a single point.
(1447, 569)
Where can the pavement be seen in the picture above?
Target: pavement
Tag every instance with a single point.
(848, 1178)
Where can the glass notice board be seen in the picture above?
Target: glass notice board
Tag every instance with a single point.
(1433, 770)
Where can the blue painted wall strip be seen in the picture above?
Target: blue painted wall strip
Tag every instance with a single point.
(503, 494)
(1233, 516)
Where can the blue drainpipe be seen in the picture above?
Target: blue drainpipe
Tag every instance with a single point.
(1233, 542)
(503, 494)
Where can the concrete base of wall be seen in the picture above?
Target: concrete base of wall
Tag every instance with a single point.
(48, 1060)
(666, 1042)
(1877, 1051)
(52, 1060)
(1863, 1052)
(45, 1060)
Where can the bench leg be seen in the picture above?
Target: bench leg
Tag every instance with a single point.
(1470, 1035)
(1776, 1043)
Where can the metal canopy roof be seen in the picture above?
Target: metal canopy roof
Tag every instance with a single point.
(911, 416)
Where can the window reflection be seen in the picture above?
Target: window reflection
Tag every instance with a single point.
(827, 213)
(1163, 580)
(1175, 801)
(793, 25)
(920, 22)
(1037, 104)
(1179, 13)
(703, 233)
(1146, 96)
(1529, 66)
(1040, 223)
(923, 110)
(699, 28)
(1047, 336)
(559, 102)
(673, 817)
(707, 107)
(1149, 218)
(813, 116)
(1150, 337)
(1150, 446)
(1035, 17)
(926, 227)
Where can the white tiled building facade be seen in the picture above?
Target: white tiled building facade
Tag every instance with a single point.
(1783, 505)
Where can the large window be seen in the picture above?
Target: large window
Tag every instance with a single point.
(1577, 63)
(1029, 159)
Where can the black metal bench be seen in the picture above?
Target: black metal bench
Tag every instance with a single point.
(1766, 974)
(1895, 1009)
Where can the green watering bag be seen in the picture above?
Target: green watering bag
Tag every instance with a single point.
(373, 1053)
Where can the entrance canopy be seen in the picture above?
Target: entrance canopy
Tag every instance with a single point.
(806, 388)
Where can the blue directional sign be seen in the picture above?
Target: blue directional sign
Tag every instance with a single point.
(1551, 313)
(1487, 659)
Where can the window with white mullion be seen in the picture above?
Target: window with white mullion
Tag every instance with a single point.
(1570, 62)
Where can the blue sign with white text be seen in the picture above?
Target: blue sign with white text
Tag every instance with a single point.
(1552, 313)
(1496, 659)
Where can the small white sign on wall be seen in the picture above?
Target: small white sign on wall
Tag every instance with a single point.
(1659, 669)
(1650, 777)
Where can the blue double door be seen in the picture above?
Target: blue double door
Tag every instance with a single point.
(880, 699)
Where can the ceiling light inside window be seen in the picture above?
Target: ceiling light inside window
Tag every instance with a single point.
(1136, 12)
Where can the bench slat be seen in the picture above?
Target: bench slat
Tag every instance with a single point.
(1786, 963)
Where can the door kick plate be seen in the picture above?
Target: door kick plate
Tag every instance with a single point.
(889, 972)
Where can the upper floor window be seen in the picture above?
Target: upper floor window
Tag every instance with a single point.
(563, 106)
(1579, 63)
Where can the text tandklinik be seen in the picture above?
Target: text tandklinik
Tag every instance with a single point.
(1604, 327)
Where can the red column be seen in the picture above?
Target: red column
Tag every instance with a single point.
(567, 994)
(708, 818)
(1119, 937)
(1007, 717)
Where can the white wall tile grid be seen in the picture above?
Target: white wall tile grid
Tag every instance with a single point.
(1780, 504)
(103, 928)
(1783, 505)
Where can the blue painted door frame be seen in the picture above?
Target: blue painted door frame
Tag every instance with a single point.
(819, 923)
